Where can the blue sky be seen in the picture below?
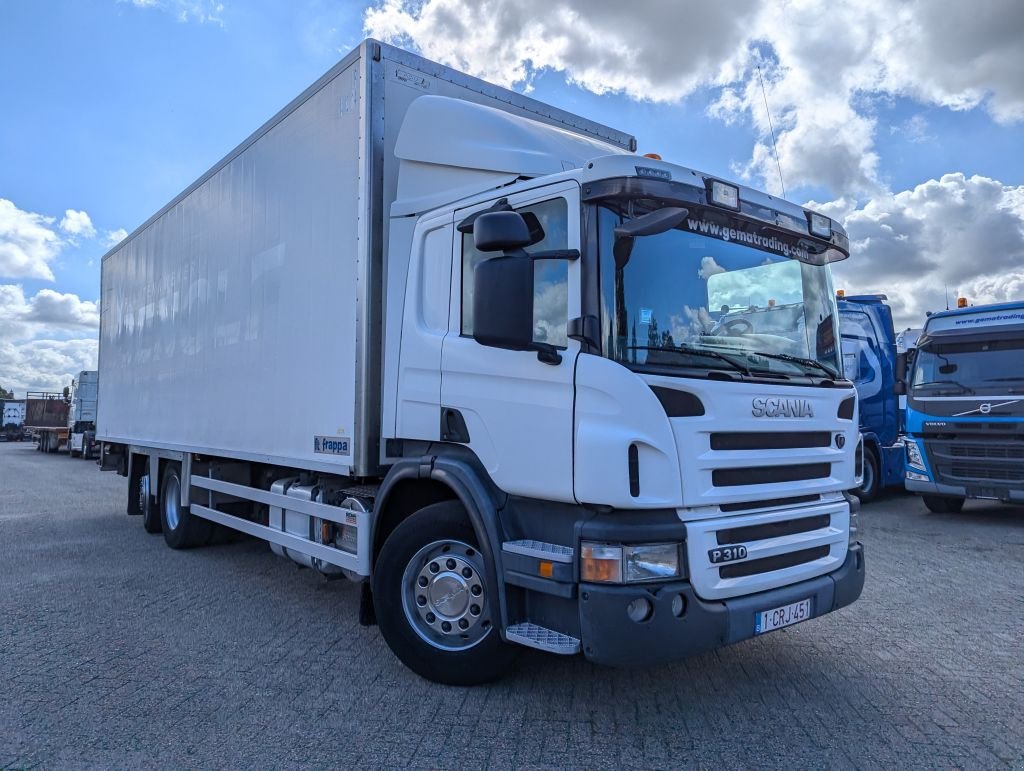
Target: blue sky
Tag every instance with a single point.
(902, 119)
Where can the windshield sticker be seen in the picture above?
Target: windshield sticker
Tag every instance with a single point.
(770, 243)
(645, 315)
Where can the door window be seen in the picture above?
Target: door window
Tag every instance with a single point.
(550, 277)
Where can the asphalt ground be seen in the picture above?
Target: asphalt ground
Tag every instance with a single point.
(117, 651)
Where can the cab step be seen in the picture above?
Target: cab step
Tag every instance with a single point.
(539, 549)
(543, 639)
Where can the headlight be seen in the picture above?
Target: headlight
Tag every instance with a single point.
(633, 563)
(914, 457)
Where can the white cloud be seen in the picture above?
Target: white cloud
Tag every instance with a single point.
(77, 223)
(201, 11)
(28, 243)
(114, 237)
(47, 312)
(825, 64)
(960, 234)
(45, 365)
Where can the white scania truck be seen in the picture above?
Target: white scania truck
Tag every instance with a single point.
(532, 399)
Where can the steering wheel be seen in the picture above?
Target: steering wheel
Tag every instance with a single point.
(738, 327)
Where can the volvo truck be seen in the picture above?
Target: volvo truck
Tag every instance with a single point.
(869, 360)
(964, 384)
(528, 400)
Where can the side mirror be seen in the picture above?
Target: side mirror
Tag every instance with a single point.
(900, 387)
(503, 300)
(500, 231)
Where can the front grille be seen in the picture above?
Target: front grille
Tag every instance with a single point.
(765, 440)
(772, 529)
(988, 451)
(962, 462)
(761, 475)
(771, 503)
(778, 562)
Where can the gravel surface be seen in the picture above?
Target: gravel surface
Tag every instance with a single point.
(117, 651)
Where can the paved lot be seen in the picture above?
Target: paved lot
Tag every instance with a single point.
(117, 651)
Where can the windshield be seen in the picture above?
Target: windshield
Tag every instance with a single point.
(977, 367)
(693, 298)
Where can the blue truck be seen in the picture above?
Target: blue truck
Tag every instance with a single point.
(869, 360)
(965, 407)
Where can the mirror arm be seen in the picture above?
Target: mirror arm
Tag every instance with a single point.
(556, 254)
(547, 353)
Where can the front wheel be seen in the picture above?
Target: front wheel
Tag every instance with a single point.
(870, 485)
(433, 603)
(939, 504)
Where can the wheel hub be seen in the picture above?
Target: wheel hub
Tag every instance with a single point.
(444, 588)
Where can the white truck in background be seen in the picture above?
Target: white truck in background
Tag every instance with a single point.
(13, 426)
(82, 415)
(527, 403)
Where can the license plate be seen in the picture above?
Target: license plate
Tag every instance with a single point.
(787, 615)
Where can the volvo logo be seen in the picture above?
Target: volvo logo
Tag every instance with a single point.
(781, 408)
(985, 408)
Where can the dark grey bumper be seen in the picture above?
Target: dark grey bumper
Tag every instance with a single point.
(994, 493)
(610, 637)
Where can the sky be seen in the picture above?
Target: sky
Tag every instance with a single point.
(902, 119)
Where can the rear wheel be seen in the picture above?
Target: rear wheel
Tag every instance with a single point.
(939, 504)
(870, 485)
(151, 520)
(433, 603)
(181, 529)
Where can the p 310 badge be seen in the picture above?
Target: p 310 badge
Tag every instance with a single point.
(727, 554)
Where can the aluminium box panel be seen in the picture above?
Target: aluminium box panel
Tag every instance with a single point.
(245, 317)
(229, 321)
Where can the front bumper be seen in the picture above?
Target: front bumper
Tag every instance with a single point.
(993, 492)
(610, 637)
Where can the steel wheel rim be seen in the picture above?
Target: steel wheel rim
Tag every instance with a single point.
(172, 502)
(444, 595)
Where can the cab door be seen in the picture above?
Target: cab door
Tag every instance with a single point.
(512, 409)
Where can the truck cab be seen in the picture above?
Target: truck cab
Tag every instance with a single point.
(642, 360)
(869, 360)
(965, 407)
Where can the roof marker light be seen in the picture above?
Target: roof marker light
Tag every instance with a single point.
(653, 156)
(819, 225)
(723, 194)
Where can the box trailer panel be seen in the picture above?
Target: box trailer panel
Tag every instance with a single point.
(235, 310)
(262, 283)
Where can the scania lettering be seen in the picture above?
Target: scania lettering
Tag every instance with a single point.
(520, 383)
(785, 408)
(965, 407)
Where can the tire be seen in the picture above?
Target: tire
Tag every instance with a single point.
(439, 541)
(181, 529)
(939, 504)
(152, 522)
(871, 485)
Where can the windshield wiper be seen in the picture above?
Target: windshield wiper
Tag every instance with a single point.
(797, 360)
(685, 349)
(956, 383)
(1013, 379)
